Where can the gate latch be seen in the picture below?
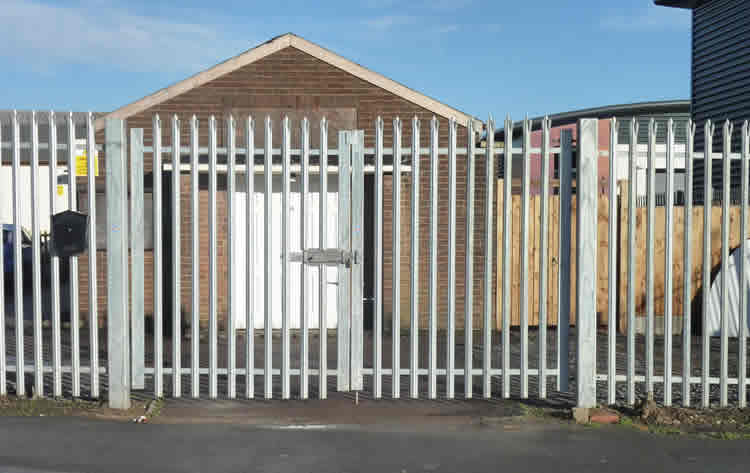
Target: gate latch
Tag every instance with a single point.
(326, 256)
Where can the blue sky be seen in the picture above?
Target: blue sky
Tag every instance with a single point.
(481, 57)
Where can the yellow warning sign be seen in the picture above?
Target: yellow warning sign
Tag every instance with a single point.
(60, 190)
(82, 164)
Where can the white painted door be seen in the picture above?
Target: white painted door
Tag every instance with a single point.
(239, 248)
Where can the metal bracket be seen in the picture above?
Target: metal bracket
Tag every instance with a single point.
(325, 256)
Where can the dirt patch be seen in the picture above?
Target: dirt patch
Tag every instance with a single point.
(49, 407)
(727, 423)
(544, 411)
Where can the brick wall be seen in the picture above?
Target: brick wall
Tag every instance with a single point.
(294, 80)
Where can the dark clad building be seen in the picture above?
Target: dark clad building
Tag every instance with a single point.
(720, 72)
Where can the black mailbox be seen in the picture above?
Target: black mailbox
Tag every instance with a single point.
(69, 233)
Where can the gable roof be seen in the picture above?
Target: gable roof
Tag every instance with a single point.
(280, 42)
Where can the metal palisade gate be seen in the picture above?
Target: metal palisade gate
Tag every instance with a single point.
(253, 258)
(286, 350)
(230, 366)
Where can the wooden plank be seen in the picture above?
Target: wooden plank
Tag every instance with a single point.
(516, 278)
(537, 256)
(678, 262)
(533, 261)
(602, 285)
(499, 256)
(557, 252)
(622, 259)
(553, 250)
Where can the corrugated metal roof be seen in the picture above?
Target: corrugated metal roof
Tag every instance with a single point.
(665, 108)
(679, 120)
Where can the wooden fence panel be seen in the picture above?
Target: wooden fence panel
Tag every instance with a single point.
(602, 259)
(696, 233)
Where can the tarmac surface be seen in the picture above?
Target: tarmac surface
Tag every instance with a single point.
(34, 445)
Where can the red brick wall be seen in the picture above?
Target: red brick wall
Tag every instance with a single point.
(294, 80)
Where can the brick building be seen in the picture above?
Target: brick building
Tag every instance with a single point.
(289, 76)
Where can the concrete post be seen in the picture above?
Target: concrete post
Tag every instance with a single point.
(586, 272)
(117, 270)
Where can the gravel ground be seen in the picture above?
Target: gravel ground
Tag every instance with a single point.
(554, 397)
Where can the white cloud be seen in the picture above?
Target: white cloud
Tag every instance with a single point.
(447, 29)
(388, 22)
(378, 3)
(448, 4)
(421, 5)
(99, 34)
(652, 18)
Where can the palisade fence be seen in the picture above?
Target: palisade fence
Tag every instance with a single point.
(48, 358)
(521, 363)
(683, 374)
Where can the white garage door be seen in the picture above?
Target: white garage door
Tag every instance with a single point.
(239, 248)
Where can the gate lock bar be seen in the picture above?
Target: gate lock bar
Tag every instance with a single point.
(326, 256)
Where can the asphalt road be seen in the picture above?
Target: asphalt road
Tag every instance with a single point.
(78, 445)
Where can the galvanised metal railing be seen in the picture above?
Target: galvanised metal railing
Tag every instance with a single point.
(670, 374)
(34, 193)
(126, 351)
